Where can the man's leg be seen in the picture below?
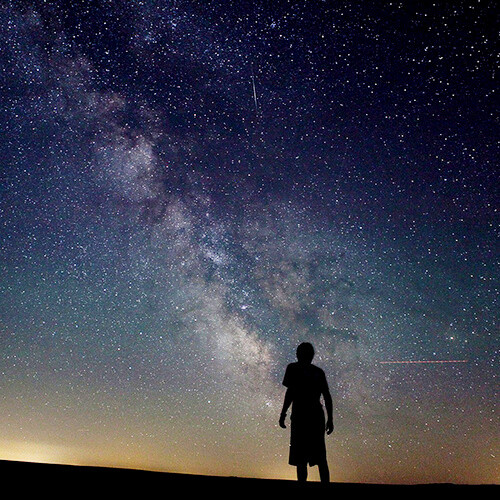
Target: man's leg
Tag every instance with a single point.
(324, 472)
(302, 472)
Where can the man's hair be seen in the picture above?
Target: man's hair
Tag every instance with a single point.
(305, 352)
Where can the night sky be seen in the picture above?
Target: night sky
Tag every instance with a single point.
(191, 188)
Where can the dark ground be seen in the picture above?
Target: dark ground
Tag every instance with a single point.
(66, 481)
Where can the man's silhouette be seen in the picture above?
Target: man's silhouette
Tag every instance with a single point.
(305, 384)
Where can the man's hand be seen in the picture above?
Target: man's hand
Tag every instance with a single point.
(282, 420)
(329, 427)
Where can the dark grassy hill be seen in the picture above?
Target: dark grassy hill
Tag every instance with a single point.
(65, 481)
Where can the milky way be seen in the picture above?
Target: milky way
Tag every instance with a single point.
(190, 189)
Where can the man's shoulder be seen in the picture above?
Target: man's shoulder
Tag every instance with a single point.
(317, 369)
(290, 374)
(297, 365)
(299, 368)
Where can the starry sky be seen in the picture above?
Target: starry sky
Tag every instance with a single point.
(191, 188)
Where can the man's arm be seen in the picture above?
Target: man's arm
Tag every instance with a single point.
(286, 404)
(329, 408)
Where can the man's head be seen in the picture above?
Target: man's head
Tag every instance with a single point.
(305, 352)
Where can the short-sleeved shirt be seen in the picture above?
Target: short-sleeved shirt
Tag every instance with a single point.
(307, 382)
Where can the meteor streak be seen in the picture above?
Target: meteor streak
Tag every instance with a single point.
(254, 93)
(425, 361)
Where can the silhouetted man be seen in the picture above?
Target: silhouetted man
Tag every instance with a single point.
(305, 384)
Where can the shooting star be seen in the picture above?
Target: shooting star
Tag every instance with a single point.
(254, 93)
(425, 361)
